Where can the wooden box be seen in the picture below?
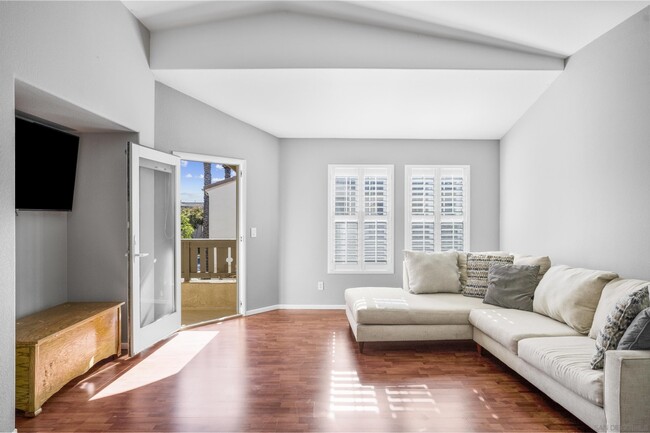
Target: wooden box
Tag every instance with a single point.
(58, 344)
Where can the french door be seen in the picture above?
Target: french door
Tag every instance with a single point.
(154, 245)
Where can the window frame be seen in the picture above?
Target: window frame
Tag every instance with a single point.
(437, 217)
(361, 267)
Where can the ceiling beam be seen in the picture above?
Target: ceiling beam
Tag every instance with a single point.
(295, 40)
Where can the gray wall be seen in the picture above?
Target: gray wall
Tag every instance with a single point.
(100, 62)
(303, 205)
(574, 169)
(97, 226)
(185, 124)
(41, 260)
(79, 255)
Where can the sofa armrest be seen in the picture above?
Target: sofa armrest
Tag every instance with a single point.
(627, 390)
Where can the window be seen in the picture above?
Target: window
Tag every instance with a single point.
(437, 208)
(360, 229)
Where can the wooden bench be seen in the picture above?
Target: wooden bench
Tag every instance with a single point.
(58, 344)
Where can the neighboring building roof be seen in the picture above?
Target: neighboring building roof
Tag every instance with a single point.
(185, 204)
(220, 182)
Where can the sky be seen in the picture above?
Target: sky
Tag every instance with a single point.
(192, 179)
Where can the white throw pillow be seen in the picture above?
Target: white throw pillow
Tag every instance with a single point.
(612, 293)
(544, 263)
(570, 295)
(432, 272)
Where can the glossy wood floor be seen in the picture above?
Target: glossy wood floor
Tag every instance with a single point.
(291, 371)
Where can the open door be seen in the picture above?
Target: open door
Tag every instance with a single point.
(154, 246)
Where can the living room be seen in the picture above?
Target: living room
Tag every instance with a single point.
(562, 176)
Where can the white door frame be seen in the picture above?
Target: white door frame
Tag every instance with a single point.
(241, 215)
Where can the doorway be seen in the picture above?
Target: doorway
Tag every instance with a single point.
(211, 224)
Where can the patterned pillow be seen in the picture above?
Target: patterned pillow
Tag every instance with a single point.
(625, 310)
(478, 266)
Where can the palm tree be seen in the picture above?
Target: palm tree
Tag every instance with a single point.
(227, 171)
(207, 180)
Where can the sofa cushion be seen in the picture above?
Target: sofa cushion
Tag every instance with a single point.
(544, 263)
(512, 286)
(566, 360)
(612, 292)
(571, 295)
(394, 306)
(617, 322)
(478, 266)
(432, 272)
(508, 327)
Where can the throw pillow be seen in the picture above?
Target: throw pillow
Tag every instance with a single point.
(511, 286)
(432, 272)
(478, 266)
(637, 335)
(570, 295)
(617, 322)
(462, 263)
(544, 263)
(612, 292)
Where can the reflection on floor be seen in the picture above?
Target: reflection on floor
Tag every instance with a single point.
(205, 300)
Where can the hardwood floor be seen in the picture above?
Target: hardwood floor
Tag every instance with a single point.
(291, 370)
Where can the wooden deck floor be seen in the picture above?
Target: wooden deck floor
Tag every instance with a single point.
(292, 371)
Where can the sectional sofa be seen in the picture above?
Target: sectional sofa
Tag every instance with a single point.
(552, 346)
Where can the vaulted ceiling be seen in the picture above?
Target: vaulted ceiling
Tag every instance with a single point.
(371, 69)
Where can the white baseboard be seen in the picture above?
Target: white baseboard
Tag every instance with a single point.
(261, 310)
(294, 307)
(310, 307)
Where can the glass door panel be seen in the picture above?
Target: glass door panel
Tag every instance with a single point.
(155, 243)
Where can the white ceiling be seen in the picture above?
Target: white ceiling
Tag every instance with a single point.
(376, 103)
(50, 109)
(561, 27)
(382, 103)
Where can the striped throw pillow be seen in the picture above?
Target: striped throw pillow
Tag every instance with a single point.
(478, 266)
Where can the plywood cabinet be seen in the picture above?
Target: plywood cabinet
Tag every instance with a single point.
(58, 344)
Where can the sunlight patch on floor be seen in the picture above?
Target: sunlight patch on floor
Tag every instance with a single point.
(169, 360)
(347, 394)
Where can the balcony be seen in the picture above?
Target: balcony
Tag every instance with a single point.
(209, 274)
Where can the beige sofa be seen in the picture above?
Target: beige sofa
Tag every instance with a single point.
(548, 353)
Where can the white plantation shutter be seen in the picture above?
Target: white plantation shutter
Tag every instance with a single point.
(375, 227)
(437, 203)
(452, 209)
(346, 242)
(360, 219)
(423, 236)
(421, 190)
(346, 195)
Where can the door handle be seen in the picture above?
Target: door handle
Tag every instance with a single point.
(140, 254)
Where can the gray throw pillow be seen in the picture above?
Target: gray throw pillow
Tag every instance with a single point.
(637, 336)
(617, 322)
(512, 286)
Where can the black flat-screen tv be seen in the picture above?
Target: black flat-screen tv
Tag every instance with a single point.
(46, 167)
